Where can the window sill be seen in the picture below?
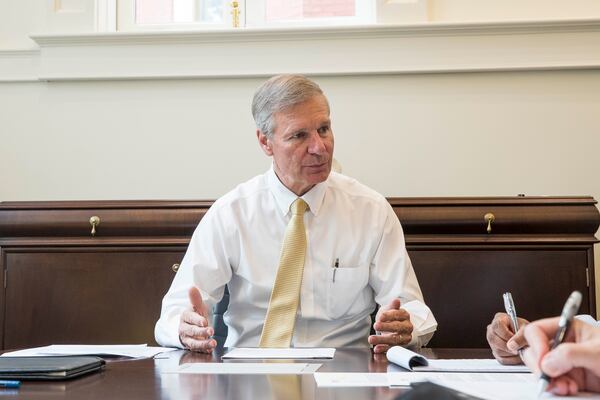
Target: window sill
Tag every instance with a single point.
(364, 50)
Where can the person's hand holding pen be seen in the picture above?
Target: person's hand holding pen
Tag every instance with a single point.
(393, 327)
(504, 341)
(573, 365)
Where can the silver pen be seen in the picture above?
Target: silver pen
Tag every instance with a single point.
(566, 317)
(509, 306)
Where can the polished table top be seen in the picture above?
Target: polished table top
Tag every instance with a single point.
(143, 379)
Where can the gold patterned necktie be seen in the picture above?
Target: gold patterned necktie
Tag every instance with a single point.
(281, 315)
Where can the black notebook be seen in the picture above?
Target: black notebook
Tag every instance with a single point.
(63, 367)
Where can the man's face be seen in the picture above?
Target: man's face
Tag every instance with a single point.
(301, 145)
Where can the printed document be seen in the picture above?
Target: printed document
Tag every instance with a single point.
(244, 368)
(285, 353)
(351, 379)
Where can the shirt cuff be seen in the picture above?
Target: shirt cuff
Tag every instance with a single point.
(423, 322)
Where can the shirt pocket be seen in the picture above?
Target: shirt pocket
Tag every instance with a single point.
(345, 294)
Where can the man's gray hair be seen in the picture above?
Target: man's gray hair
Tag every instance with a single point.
(279, 93)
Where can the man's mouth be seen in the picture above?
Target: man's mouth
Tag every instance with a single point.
(317, 165)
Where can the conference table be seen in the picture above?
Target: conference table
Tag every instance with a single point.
(147, 379)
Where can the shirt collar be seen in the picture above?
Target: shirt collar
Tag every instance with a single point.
(285, 197)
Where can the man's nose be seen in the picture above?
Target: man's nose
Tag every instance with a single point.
(316, 144)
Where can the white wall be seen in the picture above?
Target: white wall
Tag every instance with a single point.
(458, 134)
(406, 135)
(17, 20)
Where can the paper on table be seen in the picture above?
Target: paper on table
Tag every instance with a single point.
(415, 362)
(244, 368)
(350, 379)
(286, 353)
(471, 365)
(134, 351)
(514, 388)
(461, 378)
(588, 319)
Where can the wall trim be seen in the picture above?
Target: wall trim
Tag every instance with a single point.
(19, 65)
(341, 50)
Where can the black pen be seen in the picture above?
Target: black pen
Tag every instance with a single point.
(566, 317)
(336, 265)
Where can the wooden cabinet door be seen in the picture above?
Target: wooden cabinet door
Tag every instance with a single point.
(464, 287)
(85, 295)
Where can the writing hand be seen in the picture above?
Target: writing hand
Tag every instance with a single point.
(573, 364)
(194, 330)
(394, 326)
(503, 341)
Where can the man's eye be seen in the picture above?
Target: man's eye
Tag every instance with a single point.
(323, 130)
(298, 135)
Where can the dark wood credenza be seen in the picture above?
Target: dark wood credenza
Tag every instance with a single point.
(63, 285)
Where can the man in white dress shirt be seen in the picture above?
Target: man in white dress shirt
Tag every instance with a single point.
(355, 255)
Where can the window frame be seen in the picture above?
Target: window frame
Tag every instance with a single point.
(250, 17)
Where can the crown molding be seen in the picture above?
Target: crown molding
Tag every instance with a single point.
(340, 50)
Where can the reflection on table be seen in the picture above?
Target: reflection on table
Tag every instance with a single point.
(145, 379)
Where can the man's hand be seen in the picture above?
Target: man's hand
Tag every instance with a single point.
(503, 341)
(393, 324)
(194, 332)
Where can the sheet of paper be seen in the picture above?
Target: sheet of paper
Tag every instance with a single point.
(133, 351)
(289, 353)
(501, 388)
(350, 379)
(588, 319)
(244, 368)
(462, 378)
(408, 359)
(471, 365)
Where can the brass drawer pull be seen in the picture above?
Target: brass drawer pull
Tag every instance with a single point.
(94, 222)
(489, 218)
(175, 267)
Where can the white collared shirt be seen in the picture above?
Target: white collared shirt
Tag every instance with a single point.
(238, 243)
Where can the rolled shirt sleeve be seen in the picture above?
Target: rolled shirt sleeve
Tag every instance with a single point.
(392, 276)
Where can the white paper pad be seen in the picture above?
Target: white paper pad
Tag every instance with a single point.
(245, 368)
(289, 353)
(471, 365)
(134, 351)
(350, 379)
(415, 362)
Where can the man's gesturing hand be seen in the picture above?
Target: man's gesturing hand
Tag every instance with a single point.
(393, 324)
(194, 332)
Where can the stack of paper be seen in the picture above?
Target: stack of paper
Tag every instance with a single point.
(133, 351)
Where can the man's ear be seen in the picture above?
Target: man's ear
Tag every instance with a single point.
(265, 143)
